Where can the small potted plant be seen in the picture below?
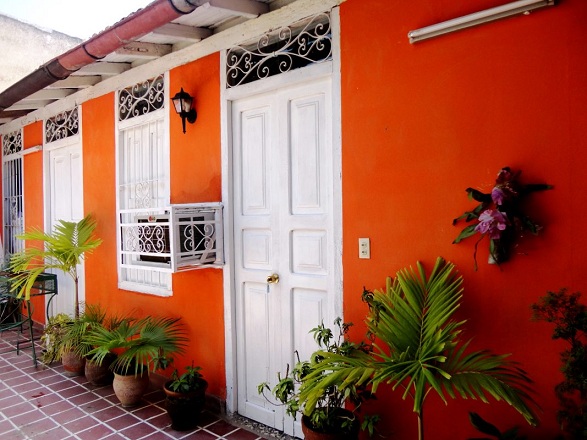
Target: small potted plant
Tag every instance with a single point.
(185, 397)
(326, 417)
(52, 337)
(142, 346)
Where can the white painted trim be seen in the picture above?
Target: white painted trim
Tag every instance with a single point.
(143, 288)
(233, 36)
(293, 77)
(290, 78)
(337, 157)
(228, 271)
(30, 150)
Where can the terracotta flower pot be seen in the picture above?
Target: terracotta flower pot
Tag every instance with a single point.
(311, 434)
(130, 389)
(184, 408)
(99, 375)
(73, 364)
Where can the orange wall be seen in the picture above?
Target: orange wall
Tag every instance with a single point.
(195, 177)
(423, 122)
(33, 195)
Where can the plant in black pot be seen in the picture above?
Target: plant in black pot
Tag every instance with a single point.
(326, 417)
(185, 398)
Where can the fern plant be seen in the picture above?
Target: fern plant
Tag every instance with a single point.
(417, 348)
(63, 249)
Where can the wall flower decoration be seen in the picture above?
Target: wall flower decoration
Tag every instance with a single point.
(499, 216)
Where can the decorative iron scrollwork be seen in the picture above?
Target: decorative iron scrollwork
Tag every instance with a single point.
(142, 98)
(303, 43)
(12, 143)
(63, 125)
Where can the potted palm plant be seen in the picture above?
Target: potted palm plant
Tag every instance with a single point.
(328, 417)
(418, 349)
(63, 249)
(75, 340)
(185, 397)
(142, 346)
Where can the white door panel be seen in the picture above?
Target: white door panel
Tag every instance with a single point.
(283, 219)
(66, 177)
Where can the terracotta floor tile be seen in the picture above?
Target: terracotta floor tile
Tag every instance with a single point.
(94, 406)
(68, 415)
(75, 390)
(37, 428)
(80, 424)
(123, 422)
(56, 407)
(19, 408)
(43, 404)
(161, 422)
(27, 417)
(57, 433)
(242, 434)
(138, 431)
(109, 413)
(200, 435)
(43, 399)
(5, 426)
(220, 428)
(97, 432)
(149, 411)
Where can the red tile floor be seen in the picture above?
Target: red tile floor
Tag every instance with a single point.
(43, 404)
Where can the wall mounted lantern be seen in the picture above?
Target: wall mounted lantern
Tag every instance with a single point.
(182, 101)
(488, 15)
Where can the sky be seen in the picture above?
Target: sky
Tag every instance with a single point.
(77, 18)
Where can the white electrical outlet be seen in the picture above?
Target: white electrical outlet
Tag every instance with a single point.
(364, 248)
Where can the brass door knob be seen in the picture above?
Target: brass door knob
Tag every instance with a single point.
(273, 279)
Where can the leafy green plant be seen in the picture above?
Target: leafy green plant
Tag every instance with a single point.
(418, 349)
(92, 316)
(63, 249)
(569, 316)
(487, 428)
(326, 414)
(52, 337)
(143, 344)
(187, 382)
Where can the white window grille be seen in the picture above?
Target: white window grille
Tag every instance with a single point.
(143, 185)
(13, 222)
(143, 177)
(180, 237)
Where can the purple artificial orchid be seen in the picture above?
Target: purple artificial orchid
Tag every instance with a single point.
(492, 222)
(498, 214)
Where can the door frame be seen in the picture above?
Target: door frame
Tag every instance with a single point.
(47, 184)
(299, 76)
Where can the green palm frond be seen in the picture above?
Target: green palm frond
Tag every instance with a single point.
(63, 249)
(144, 343)
(418, 349)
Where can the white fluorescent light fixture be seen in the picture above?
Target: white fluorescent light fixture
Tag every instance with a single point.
(486, 16)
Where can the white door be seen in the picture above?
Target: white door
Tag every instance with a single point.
(66, 204)
(284, 225)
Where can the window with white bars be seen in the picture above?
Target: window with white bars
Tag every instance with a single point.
(143, 185)
(12, 222)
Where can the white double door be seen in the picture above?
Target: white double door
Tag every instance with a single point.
(285, 236)
(66, 195)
